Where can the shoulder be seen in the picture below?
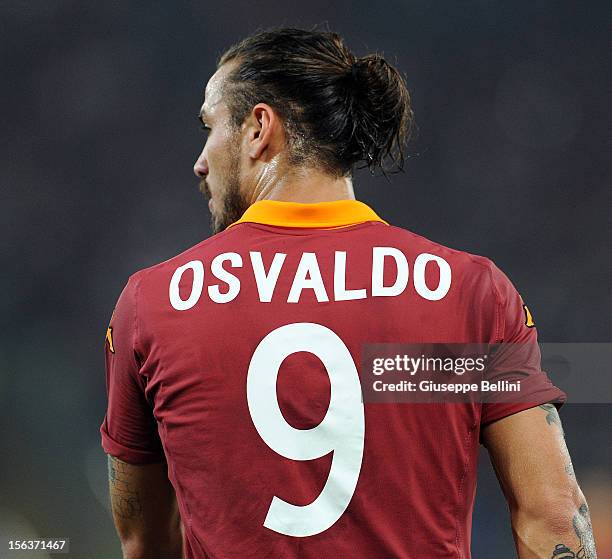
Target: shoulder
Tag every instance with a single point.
(472, 270)
(197, 251)
(413, 242)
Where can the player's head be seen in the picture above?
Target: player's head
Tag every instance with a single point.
(288, 100)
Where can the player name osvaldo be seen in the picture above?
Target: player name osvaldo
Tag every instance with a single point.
(307, 275)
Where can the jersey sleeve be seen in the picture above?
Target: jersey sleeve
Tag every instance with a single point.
(129, 430)
(517, 357)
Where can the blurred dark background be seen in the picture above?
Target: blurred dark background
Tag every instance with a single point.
(512, 161)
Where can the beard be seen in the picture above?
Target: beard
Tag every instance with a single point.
(233, 203)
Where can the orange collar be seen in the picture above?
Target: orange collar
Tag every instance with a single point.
(338, 213)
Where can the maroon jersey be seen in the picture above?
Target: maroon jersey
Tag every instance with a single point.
(237, 362)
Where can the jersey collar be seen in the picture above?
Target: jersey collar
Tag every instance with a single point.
(338, 213)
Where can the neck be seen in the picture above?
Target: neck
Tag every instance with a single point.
(304, 185)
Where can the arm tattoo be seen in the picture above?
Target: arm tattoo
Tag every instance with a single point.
(584, 532)
(552, 415)
(581, 520)
(552, 418)
(125, 500)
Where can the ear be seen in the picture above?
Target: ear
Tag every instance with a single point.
(264, 130)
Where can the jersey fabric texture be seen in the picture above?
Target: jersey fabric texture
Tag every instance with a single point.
(189, 352)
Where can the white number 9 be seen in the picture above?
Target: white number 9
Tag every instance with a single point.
(341, 431)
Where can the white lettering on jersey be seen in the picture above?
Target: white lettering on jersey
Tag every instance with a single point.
(220, 273)
(378, 268)
(266, 283)
(196, 287)
(342, 430)
(341, 293)
(308, 276)
(419, 277)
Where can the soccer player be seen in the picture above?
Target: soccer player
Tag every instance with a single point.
(235, 425)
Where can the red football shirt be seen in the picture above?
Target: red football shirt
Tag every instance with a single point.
(237, 362)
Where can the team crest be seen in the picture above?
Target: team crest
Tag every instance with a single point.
(528, 317)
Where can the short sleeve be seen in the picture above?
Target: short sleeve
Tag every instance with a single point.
(129, 430)
(517, 357)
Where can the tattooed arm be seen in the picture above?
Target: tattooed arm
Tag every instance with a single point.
(550, 517)
(145, 510)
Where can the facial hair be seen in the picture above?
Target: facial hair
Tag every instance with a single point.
(233, 204)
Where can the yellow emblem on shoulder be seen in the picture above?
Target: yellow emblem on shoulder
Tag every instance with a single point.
(109, 339)
(528, 317)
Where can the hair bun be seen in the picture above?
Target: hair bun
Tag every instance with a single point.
(381, 112)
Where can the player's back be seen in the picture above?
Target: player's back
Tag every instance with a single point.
(249, 347)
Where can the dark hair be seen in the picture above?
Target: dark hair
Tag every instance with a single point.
(339, 110)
